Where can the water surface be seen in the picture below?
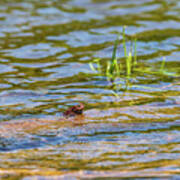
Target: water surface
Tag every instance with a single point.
(45, 50)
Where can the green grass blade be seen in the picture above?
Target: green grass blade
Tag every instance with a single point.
(124, 42)
(135, 51)
(162, 64)
(92, 67)
(129, 65)
(115, 49)
(113, 58)
(115, 94)
(108, 74)
(117, 68)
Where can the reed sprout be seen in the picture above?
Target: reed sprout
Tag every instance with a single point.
(114, 68)
(118, 70)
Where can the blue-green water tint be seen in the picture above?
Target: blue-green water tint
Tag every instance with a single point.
(45, 50)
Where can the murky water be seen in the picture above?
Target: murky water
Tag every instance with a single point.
(45, 50)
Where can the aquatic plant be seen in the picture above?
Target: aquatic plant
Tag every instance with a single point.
(113, 68)
(117, 71)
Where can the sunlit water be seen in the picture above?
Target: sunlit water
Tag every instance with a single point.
(45, 50)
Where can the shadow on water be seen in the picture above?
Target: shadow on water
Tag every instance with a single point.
(45, 50)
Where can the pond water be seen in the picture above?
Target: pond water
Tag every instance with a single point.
(45, 50)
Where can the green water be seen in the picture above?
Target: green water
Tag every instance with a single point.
(45, 50)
